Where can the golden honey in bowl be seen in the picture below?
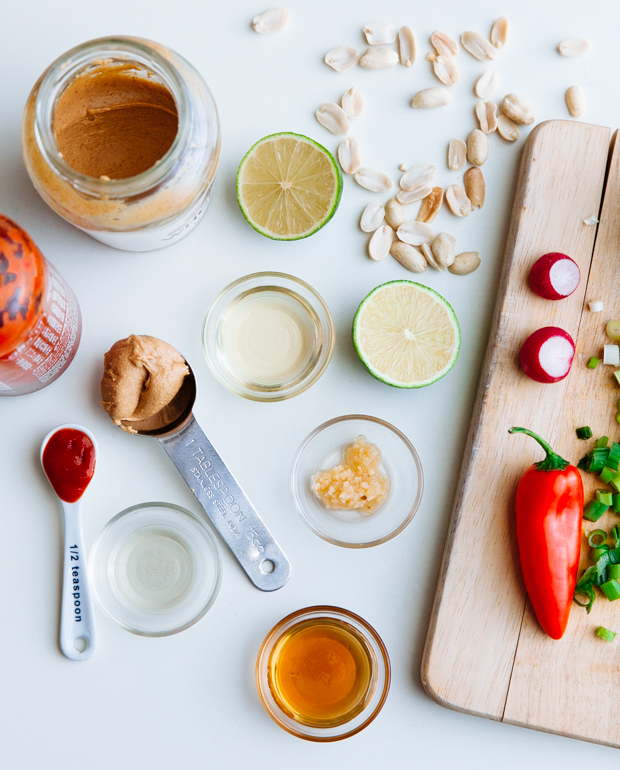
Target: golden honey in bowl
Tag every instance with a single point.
(320, 672)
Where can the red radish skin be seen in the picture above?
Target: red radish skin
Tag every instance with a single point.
(547, 354)
(554, 276)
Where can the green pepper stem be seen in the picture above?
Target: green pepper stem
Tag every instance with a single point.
(552, 462)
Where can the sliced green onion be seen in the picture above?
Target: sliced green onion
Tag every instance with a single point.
(606, 475)
(617, 376)
(615, 533)
(594, 510)
(584, 433)
(589, 592)
(611, 589)
(615, 482)
(598, 459)
(614, 457)
(615, 503)
(596, 553)
(604, 497)
(584, 462)
(605, 634)
(592, 363)
(618, 417)
(601, 442)
(613, 571)
(598, 533)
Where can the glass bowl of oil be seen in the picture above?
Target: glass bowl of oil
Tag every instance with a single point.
(323, 673)
(156, 569)
(268, 336)
(326, 448)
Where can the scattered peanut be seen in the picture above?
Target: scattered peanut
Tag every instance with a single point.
(372, 217)
(486, 112)
(465, 263)
(457, 154)
(270, 21)
(442, 247)
(574, 47)
(444, 68)
(499, 32)
(429, 256)
(417, 176)
(477, 147)
(352, 103)
(342, 59)
(415, 233)
(375, 181)
(378, 58)
(380, 242)
(575, 101)
(379, 33)
(444, 44)
(486, 84)
(430, 205)
(412, 196)
(333, 118)
(458, 202)
(394, 214)
(349, 155)
(507, 129)
(408, 256)
(478, 46)
(475, 187)
(431, 97)
(517, 109)
(406, 46)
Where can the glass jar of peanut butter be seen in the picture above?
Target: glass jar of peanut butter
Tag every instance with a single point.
(121, 138)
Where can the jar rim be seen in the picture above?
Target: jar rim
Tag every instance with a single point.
(75, 61)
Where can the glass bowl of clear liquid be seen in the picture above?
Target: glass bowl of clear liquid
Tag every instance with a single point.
(268, 336)
(156, 569)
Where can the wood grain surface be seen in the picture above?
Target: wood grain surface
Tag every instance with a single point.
(485, 653)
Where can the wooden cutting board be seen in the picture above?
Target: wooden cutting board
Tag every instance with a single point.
(485, 653)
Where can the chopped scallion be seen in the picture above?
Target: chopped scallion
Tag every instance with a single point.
(592, 363)
(594, 510)
(611, 589)
(615, 503)
(606, 475)
(600, 535)
(584, 433)
(601, 442)
(604, 497)
(596, 553)
(584, 462)
(605, 634)
(613, 571)
(617, 376)
(615, 482)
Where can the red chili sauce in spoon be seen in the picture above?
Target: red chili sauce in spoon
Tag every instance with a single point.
(69, 462)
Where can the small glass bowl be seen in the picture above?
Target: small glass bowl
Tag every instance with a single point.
(156, 569)
(311, 309)
(380, 674)
(324, 448)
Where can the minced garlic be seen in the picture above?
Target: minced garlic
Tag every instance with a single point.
(355, 484)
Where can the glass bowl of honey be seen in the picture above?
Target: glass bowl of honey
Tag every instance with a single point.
(357, 481)
(268, 336)
(323, 673)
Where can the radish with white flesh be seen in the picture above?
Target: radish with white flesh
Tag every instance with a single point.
(547, 354)
(554, 276)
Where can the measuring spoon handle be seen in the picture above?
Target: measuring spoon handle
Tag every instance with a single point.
(227, 506)
(76, 612)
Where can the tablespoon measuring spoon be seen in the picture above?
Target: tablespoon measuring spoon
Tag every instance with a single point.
(215, 488)
(68, 456)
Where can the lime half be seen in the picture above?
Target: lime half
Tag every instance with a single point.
(288, 186)
(406, 334)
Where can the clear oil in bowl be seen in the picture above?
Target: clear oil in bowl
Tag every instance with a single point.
(321, 672)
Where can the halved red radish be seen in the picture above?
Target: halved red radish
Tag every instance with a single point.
(554, 276)
(547, 354)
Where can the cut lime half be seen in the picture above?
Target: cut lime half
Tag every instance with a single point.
(406, 334)
(288, 186)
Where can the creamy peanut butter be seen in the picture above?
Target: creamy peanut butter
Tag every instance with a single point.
(141, 377)
(111, 122)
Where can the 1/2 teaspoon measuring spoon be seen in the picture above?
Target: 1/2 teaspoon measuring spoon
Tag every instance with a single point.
(216, 489)
(68, 456)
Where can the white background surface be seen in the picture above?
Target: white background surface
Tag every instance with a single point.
(190, 700)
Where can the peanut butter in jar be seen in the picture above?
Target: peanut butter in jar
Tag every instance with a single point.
(121, 138)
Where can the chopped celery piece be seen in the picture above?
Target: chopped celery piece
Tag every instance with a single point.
(592, 363)
(605, 634)
(611, 589)
(594, 510)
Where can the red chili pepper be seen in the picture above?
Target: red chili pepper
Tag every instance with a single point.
(549, 508)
